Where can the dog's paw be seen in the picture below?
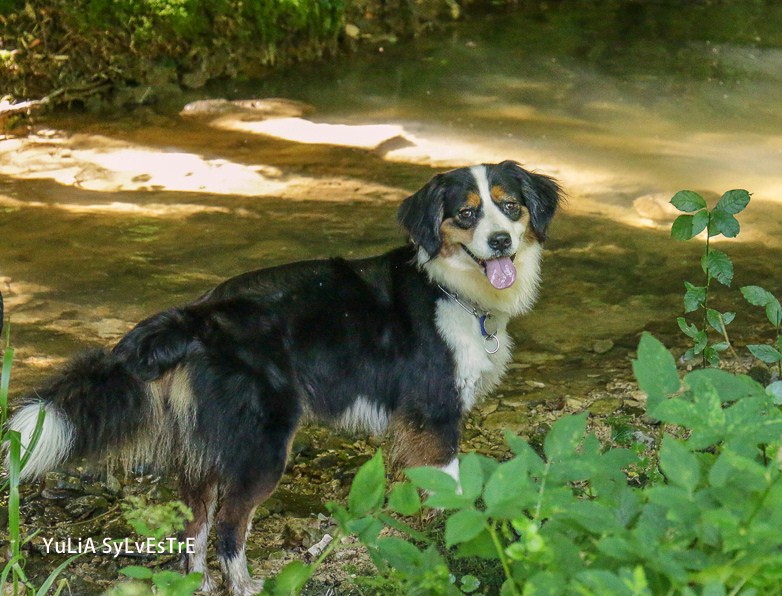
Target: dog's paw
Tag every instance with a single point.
(248, 587)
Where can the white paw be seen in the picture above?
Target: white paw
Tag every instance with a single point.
(248, 587)
(208, 585)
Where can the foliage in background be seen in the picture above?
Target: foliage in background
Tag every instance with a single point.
(715, 263)
(770, 354)
(78, 47)
(568, 521)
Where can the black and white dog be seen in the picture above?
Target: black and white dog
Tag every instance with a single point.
(406, 341)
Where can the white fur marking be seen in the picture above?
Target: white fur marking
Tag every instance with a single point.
(239, 581)
(477, 372)
(198, 562)
(452, 469)
(479, 173)
(363, 415)
(493, 220)
(54, 443)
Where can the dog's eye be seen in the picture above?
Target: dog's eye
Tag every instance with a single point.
(467, 214)
(512, 208)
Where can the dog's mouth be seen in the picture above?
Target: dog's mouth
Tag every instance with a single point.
(500, 271)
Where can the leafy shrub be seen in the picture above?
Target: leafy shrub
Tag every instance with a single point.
(715, 264)
(568, 521)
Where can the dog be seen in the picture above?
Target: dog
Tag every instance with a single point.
(406, 342)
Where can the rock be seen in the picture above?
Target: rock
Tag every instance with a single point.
(352, 31)
(608, 405)
(112, 485)
(602, 346)
(301, 532)
(487, 408)
(253, 109)
(656, 207)
(57, 485)
(516, 422)
(535, 384)
(642, 437)
(82, 507)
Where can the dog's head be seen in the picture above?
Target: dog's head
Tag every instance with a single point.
(480, 220)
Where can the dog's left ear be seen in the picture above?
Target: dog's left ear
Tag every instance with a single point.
(421, 215)
(540, 194)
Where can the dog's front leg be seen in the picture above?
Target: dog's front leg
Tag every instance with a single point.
(427, 439)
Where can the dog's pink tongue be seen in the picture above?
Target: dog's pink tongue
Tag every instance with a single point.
(501, 272)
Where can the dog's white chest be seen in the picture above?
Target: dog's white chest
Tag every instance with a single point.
(477, 371)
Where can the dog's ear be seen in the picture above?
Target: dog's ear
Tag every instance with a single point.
(541, 195)
(421, 215)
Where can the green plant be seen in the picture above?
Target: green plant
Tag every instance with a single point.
(715, 263)
(759, 297)
(569, 521)
(156, 522)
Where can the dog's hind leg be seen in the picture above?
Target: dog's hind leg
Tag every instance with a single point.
(201, 497)
(239, 497)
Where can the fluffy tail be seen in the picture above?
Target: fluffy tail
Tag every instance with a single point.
(101, 400)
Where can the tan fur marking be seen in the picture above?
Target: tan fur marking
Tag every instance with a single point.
(417, 447)
(473, 200)
(498, 193)
(452, 236)
(169, 422)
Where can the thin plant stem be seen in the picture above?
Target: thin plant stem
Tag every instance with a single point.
(708, 283)
(501, 555)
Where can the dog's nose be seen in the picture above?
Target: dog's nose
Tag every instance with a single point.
(500, 241)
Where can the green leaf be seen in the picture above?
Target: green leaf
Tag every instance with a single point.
(463, 526)
(564, 437)
(655, 370)
(369, 486)
(482, 546)
(292, 578)
(725, 224)
(711, 355)
(694, 297)
(469, 583)
(404, 499)
(701, 339)
(766, 353)
(756, 295)
(775, 390)
(699, 222)
(471, 476)
(508, 488)
(676, 411)
(733, 201)
(688, 329)
(774, 313)
(688, 201)
(717, 264)
(432, 480)
(399, 553)
(136, 572)
(366, 528)
(682, 228)
(679, 465)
